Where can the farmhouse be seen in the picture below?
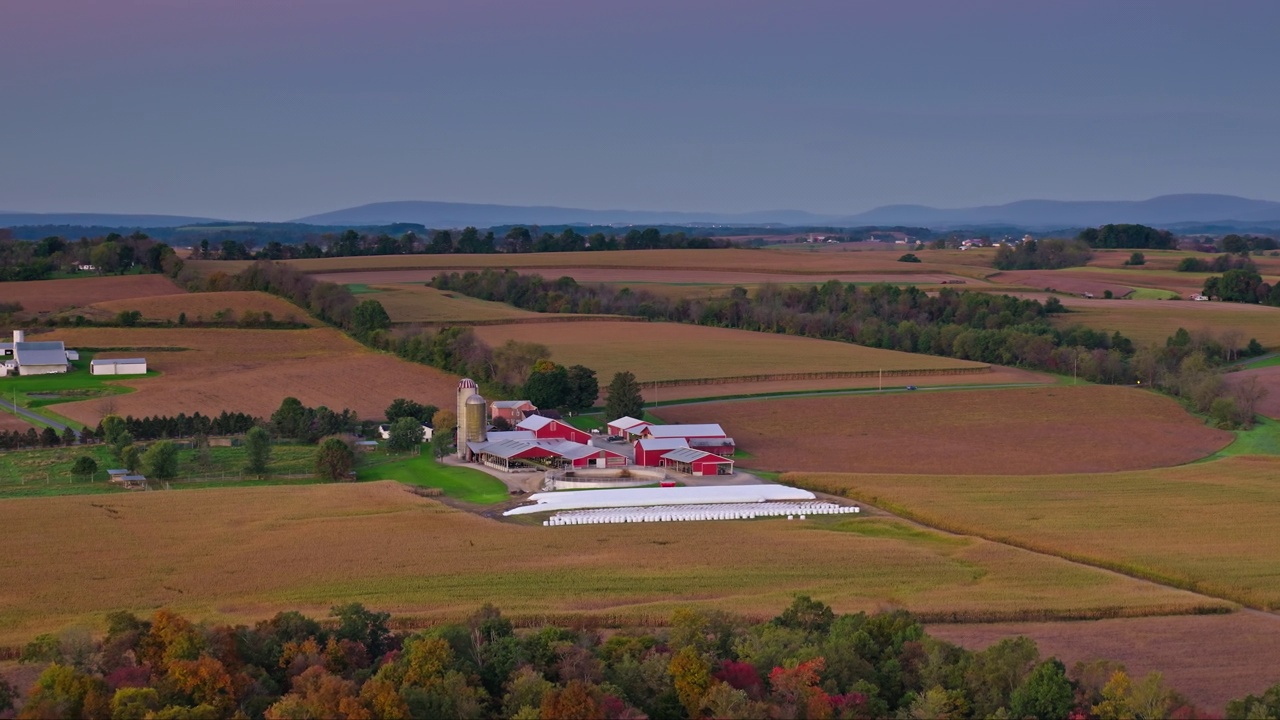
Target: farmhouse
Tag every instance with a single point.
(545, 428)
(513, 411)
(627, 426)
(118, 366)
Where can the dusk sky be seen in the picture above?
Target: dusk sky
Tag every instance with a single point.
(275, 109)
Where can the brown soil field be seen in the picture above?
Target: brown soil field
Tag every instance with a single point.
(1168, 260)
(721, 260)
(1075, 283)
(252, 371)
(1269, 378)
(997, 376)
(241, 554)
(202, 306)
(1208, 526)
(649, 276)
(672, 351)
(1155, 320)
(39, 296)
(1212, 659)
(1015, 431)
(9, 421)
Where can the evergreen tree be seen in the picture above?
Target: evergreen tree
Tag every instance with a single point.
(583, 389)
(623, 397)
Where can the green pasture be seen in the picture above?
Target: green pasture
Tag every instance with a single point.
(460, 483)
(37, 391)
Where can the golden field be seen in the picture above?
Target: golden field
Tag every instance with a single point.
(243, 554)
(416, 303)
(201, 307)
(672, 351)
(1207, 526)
(39, 296)
(1153, 321)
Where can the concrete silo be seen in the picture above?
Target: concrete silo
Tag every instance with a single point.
(477, 423)
(466, 389)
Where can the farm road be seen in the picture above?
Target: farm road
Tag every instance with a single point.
(29, 415)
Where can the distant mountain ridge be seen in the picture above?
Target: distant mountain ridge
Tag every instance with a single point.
(1162, 211)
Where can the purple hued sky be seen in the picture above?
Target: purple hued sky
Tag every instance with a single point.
(274, 109)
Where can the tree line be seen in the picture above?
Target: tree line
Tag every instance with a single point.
(466, 241)
(1242, 286)
(109, 254)
(807, 662)
(1138, 237)
(1050, 254)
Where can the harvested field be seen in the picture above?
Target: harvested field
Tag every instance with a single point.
(40, 296)
(9, 421)
(1267, 377)
(203, 307)
(252, 371)
(421, 304)
(244, 554)
(1012, 431)
(672, 351)
(1212, 659)
(1060, 280)
(1155, 320)
(1208, 526)
(997, 376)
(639, 277)
(722, 260)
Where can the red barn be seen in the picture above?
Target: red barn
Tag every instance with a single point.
(627, 426)
(547, 429)
(706, 430)
(649, 451)
(697, 462)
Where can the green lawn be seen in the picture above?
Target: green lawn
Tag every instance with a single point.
(1265, 362)
(586, 422)
(459, 483)
(361, 289)
(1152, 294)
(1263, 439)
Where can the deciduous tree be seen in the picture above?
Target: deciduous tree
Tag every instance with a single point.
(334, 459)
(257, 447)
(161, 460)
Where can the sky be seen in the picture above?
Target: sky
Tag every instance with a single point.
(276, 109)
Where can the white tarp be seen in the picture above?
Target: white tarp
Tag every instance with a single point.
(645, 497)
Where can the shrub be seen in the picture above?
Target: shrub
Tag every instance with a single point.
(909, 257)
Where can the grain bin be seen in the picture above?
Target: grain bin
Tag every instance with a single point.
(466, 389)
(477, 423)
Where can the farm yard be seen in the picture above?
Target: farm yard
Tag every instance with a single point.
(1208, 526)
(201, 307)
(671, 351)
(1013, 431)
(214, 369)
(1212, 659)
(244, 554)
(43, 296)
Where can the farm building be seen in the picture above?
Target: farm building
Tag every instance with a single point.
(649, 451)
(627, 426)
(40, 358)
(697, 462)
(118, 366)
(545, 428)
(513, 411)
(535, 454)
(708, 437)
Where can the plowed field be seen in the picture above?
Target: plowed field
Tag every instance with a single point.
(997, 376)
(39, 296)
(1269, 378)
(200, 307)
(9, 421)
(252, 371)
(671, 351)
(246, 553)
(1039, 431)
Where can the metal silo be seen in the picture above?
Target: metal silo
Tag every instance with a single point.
(466, 389)
(477, 424)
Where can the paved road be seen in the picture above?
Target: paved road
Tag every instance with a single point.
(38, 418)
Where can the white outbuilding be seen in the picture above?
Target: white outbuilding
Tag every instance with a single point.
(118, 366)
